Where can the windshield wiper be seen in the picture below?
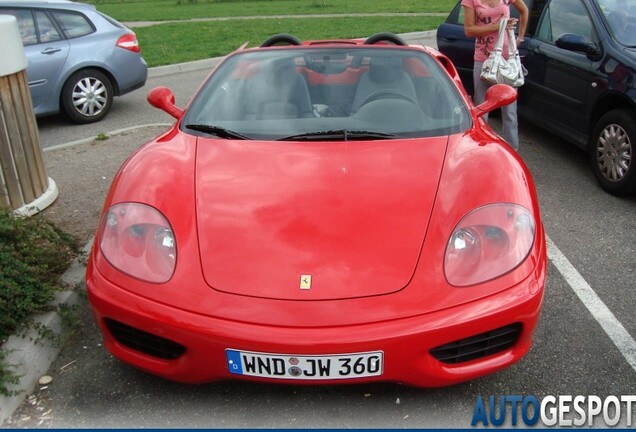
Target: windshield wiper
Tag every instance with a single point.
(218, 131)
(341, 134)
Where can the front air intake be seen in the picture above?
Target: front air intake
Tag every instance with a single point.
(144, 342)
(478, 346)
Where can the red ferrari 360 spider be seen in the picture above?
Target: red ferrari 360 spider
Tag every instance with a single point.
(322, 212)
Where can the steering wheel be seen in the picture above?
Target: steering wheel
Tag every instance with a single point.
(281, 38)
(387, 94)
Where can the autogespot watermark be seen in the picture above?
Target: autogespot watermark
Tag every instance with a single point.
(562, 410)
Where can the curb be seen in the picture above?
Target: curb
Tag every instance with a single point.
(159, 71)
(32, 355)
(41, 202)
(109, 134)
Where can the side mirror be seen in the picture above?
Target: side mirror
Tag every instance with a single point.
(577, 43)
(496, 96)
(163, 98)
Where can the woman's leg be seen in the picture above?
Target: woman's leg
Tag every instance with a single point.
(510, 131)
(480, 87)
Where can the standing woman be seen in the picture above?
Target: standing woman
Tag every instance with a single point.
(481, 21)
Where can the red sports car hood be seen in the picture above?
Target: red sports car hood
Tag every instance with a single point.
(314, 221)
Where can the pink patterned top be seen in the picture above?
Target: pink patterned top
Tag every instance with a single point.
(485, 14)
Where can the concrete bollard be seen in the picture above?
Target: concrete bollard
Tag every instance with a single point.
(24, 185)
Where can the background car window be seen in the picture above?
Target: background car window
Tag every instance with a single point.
(73, 25)
(565, 16)
(46, 30)
(25, 24)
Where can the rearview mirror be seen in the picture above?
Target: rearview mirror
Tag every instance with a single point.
(497, 96)
(163, 98)
(577, 43)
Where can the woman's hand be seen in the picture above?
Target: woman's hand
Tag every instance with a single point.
(512, 23)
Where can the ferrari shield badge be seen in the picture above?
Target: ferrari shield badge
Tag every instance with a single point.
(305, 282)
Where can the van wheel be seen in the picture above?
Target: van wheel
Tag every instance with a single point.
(87, 96)
(612, 152)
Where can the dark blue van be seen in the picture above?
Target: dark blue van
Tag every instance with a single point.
(581, 58)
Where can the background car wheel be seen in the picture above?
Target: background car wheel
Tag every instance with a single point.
(87, 96)
(612, 151)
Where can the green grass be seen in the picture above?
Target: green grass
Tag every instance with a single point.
(162, 10)
(176, 42)
(33, 255)
(171, 43)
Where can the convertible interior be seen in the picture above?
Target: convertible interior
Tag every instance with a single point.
(277, 93)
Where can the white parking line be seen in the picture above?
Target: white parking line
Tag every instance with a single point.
(601, 313)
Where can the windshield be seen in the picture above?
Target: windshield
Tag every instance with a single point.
(621, 19)
(327, 93)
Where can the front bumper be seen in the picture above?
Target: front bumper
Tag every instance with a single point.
(406, 343)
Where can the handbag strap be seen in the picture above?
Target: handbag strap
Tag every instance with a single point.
(500, 39)
(512, 44)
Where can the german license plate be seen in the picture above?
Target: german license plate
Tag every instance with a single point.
(313, 367)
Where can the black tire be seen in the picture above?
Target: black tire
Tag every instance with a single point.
(612, 152)
(87, 96)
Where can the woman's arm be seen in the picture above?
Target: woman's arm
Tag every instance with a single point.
(523, 18)
(473, 30)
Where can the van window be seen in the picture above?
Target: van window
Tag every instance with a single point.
(565, 16)
(621, 19)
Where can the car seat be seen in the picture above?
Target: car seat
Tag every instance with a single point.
(383, 74)
(279, 92)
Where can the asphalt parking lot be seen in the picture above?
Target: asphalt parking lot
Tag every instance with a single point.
(584, 344)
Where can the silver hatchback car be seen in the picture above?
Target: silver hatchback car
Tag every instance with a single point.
(78, 58)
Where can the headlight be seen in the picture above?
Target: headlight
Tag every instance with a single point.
(488, 242)
(138, 240)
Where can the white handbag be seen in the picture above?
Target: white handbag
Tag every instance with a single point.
(498, 70)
